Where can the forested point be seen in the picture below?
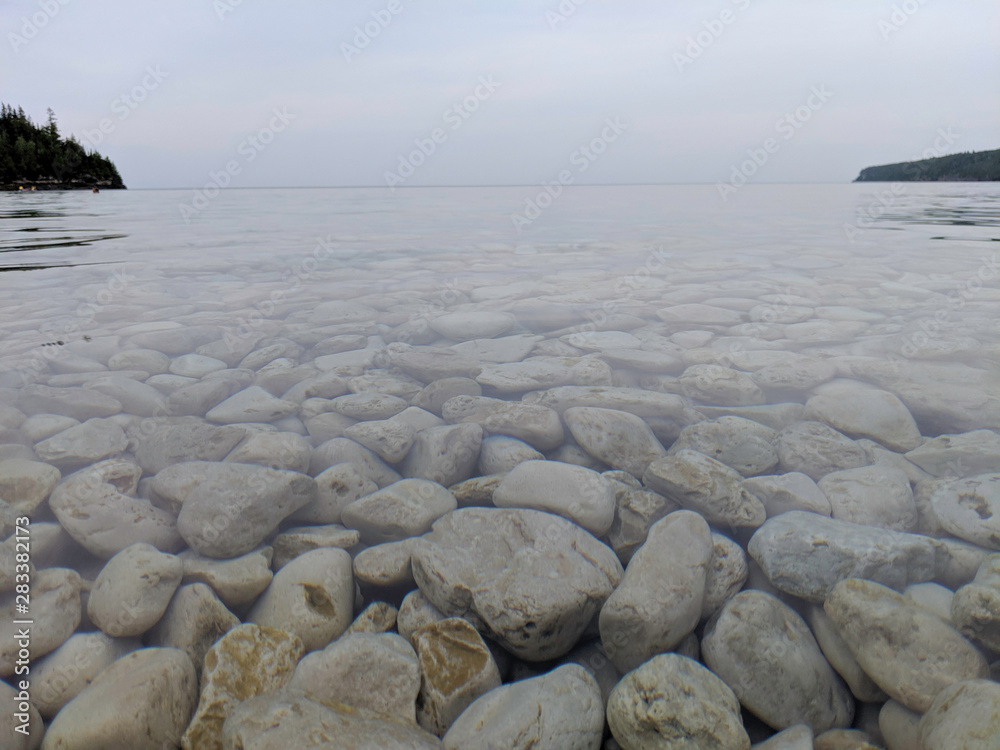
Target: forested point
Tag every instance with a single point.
(970, 166)
(37, 156)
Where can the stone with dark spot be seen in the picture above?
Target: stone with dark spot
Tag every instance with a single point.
(970, 509)
(312, 597)
(535, 580)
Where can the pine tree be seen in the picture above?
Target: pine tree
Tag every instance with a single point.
(31, 153)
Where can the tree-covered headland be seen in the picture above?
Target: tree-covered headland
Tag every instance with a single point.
(37, 156)
(971, 166)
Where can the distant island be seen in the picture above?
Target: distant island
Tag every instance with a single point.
(971, 166)
(37, 157)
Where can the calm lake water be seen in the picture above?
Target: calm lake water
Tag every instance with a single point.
(78, 264)
(139, 334)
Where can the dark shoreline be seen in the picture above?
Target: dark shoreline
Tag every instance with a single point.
(971, 166)
(27, 185)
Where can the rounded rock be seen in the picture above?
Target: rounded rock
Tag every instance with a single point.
(22, 728)
(660, 598)
(282, 720)
(337, 487)
(238, 505)
(60, 676)
(970, 509)
(963, 715)
(706, 486)
(311, 597)
(816, 449)
(193, 621)
(501, 453)
(781, 493)
(672, 701)
(534, 579)
(465, 326)
(574, 492)
(133, 589)
(456, 667)
(377, 672)
(765, 652)
(911, 654)
(446, 454)
(246, 662)
(237, 581)
(400, 511)
(560, 710)
(619, 439)
(861, 411)
(83, 444)
(871, 495)
(27, 484)
(55, 611)
(739, 443)
(140, 702)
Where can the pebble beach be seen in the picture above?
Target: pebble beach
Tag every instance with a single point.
(499, 495)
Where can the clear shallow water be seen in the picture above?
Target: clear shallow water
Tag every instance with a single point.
(80, 264)
(850, 275)
(149, 226)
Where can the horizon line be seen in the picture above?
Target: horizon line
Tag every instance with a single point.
(488, 185)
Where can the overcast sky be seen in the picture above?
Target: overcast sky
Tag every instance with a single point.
(505, 91)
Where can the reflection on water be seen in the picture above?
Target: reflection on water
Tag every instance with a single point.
(958, 206)
(71, 228)
(31, 221)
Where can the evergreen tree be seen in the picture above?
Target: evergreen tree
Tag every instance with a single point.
(967, 166)
(29, 153)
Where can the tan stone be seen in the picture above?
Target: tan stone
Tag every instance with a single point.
(246, 662)
(674, 702)
(909, 653)
(377, 617)
(26, 484)
(964, 715)
(457, 667)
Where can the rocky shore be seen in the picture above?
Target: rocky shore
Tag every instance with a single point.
(734, 503)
